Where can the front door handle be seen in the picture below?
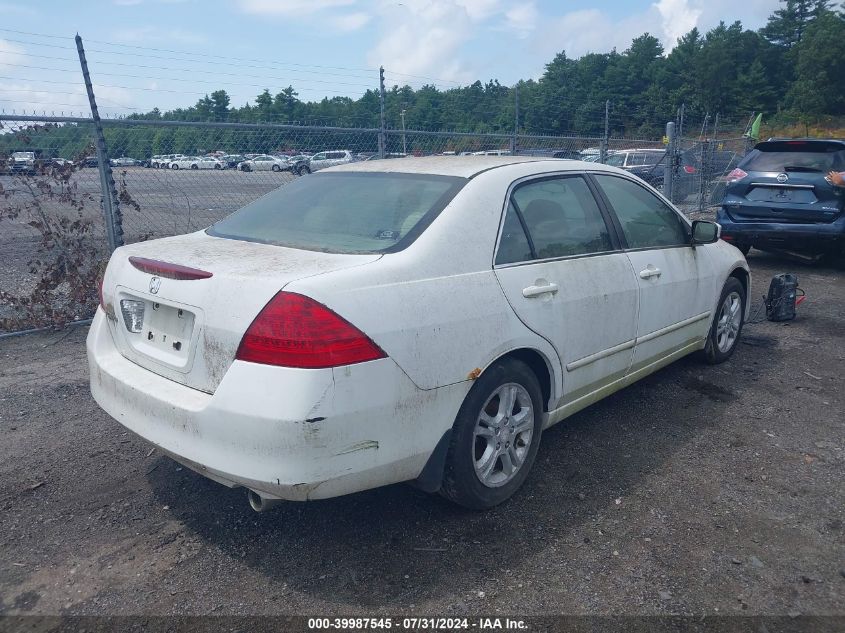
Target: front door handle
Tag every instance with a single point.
(649, 272)
(537, 291)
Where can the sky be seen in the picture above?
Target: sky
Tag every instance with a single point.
(169, 53)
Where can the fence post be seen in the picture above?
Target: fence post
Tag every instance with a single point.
(605, 141)
(111, 207)
(381, 127)
(515, 136)
(669, 169)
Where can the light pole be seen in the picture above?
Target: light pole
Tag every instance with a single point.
(404, 147)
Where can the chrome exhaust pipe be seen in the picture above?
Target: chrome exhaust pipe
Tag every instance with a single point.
(261, 504)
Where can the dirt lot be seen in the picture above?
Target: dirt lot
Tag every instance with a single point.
(700, 490)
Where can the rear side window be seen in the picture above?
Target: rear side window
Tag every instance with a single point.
(562, 219)
(646, 220)
(343, 213)
(783, 158)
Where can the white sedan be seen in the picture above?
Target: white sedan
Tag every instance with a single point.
(418, 320)
(196, 162)
(264, 162)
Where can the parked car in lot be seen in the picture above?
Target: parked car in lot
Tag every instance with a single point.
(650, 165)
(779, 198)
(302, 347)
(321, 160)
(163, 161)
(124, 161)
(89, 161)
(23, 162)
(264, 162)
(569, 154)
(231, 161)
(196, 162)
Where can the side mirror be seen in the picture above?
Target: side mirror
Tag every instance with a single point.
(704, 232)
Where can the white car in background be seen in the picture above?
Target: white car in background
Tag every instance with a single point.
(196, 162)
(417, 320)
(264, 162)
(332, 158)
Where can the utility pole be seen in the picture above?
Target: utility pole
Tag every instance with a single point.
(404, 146)
(381, 127)
(515, 136)
(605, 142)
(669, 168)
(111, 207)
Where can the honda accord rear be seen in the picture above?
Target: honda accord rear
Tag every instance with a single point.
(204, 347)
(778, 198)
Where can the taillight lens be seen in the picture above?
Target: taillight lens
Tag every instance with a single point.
(736, 174)
(295, 331)
(689, 169)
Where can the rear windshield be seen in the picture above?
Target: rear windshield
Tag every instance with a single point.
(356, 212)
(798, 159)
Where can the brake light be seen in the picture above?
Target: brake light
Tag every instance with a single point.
(295, 331)
(168, 270)
(736, 174)
(689, 169)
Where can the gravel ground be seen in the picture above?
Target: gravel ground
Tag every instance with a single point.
(700, 490)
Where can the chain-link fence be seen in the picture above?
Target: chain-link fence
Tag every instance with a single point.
(173, 177)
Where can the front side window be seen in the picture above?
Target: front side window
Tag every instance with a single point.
(562, 219)
(647, 221)
(616, 160)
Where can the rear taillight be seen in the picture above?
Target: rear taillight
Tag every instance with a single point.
(736, 174)
(168, 270)
(689, 169)
(295, 331)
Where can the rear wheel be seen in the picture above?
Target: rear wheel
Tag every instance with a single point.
(194, 167)
(727, 324)
(304, 169)
(276, 168)
(495, 437)
(174, 166)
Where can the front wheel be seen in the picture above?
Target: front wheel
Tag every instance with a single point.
(727, 324)
(276, 168)
(174, 166)
(495, 437)
(303, 170)
(194, 166)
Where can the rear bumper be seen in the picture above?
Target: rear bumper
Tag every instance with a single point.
(786, 236)
(284, 433)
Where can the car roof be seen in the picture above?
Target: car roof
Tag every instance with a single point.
(461, 166)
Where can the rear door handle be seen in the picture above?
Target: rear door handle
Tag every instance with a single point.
(537, 291)
(649, 272)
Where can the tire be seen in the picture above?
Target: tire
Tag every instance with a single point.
(174, 166)
(194, 167)
(303, 170)
(483, 429)
(276, 168)
(218, 167)
(721, 343)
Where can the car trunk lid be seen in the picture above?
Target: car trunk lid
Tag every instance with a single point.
(186, 326)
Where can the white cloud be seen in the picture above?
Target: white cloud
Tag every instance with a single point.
(11, 53)
(679, 18)
(478, 10)
(290, 8)
(350, 21)
(424, 37)
(522, 19)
